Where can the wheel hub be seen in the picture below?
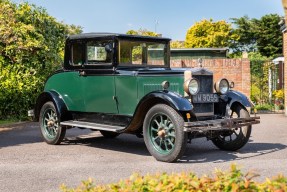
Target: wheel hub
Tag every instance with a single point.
(161, 133)
(50, 123)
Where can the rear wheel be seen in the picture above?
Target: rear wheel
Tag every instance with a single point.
(163, 133)
(49, 121)
(236, 138)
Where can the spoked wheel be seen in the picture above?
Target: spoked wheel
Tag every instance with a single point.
(234, 139)
(163, 133)
(51, 130)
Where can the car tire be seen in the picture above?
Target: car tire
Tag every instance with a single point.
(109, 134)
(163, 133)
(236, 139)
(52, 132)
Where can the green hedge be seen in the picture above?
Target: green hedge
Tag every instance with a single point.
(264, 107)
(31, 48)
(232, 180)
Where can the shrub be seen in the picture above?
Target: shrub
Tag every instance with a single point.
(31, 48)
(264, 107)
(278, 94)
(279, 98)
(233, 180)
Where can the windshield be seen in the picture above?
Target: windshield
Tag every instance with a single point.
(142, 53)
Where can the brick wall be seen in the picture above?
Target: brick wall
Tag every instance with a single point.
(285, 67)
(236, 70)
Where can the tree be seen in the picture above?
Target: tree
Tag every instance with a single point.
(177, 44)
(143, 32)
(263, 35)
(246, 37)
(31, 47)
(259, 69)
(269, 36)
(208, 33)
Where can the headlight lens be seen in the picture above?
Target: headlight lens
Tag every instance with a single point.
(191, 86)
(222, 86)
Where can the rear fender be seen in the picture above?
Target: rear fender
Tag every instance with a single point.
(56, 98)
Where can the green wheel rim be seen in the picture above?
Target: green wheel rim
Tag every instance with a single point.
(50, 125)
(161, 131)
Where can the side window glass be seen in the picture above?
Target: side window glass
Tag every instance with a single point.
(132, 52)
(77, 53)
(99, 52)
(137, 55)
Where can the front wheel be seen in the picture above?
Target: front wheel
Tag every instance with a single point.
(234, 139)
(51, 129)
(163, 133)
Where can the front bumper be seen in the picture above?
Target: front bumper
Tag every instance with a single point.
(220, 124)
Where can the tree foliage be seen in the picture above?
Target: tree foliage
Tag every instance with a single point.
(208, 33)
(31, 47)
(263, 35)
(177, 44)
(143, 32)
(259, 69)
(245, 31)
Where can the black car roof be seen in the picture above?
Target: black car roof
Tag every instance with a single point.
(106, 35)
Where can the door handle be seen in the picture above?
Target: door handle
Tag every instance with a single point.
(82, 73)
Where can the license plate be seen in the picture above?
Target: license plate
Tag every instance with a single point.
(205, 98)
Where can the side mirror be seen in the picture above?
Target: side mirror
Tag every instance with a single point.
(109, 48)
(231, 84)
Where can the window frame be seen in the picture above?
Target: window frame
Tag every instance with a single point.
(100, 63)
(68, 60)
(166, 53)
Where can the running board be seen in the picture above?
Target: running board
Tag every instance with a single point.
(96, 126)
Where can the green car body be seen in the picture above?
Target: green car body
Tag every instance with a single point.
(119, 83)
(116, 94)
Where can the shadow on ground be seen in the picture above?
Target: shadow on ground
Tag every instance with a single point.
(20, 134)
(200, 151)
(123, 143)
(212, 154)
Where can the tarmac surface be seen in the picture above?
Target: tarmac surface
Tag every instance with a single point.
(29, 164)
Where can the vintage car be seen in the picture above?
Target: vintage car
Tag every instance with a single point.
(117, 83)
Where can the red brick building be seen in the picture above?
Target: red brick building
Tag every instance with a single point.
(236, 70)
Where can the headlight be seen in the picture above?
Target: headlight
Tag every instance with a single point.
(221, 86)
(191, 86)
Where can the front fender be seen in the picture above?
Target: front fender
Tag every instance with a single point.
(58, 102)
(175, 100)
(235, 96)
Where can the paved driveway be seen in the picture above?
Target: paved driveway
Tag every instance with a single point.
(29, 164)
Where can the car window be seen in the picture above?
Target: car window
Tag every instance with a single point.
(77, 53)
(137, 54)
(156, 54)
(97, 52)
(142, 53)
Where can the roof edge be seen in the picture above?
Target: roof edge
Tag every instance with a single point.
(107, 34)
(200, 49)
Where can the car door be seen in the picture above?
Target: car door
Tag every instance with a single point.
(97, 78)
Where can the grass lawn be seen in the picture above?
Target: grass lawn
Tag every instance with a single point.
(8, 121)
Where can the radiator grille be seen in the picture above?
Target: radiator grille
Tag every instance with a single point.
(206, 83)
(206, 86)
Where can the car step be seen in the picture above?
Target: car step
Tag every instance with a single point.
(89, 125)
